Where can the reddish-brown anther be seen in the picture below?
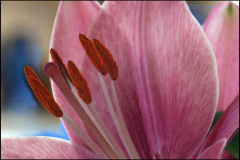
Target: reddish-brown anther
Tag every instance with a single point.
(79, 83)
(92, 53)
(42, 93)
(30, 73)
(57, 59)
(107, 59)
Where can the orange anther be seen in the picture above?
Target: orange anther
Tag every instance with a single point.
(57, 59)
(29, 72)
(92, 53)
(42, 93)
(107, 59)
(79, 83)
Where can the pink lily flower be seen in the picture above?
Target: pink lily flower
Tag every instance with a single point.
(159, 103)
(222, 30)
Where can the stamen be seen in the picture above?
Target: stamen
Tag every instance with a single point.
(107, 59)
(42, 93)
(92, 54)
(112, 68)
(117, 116)
(57, 59)
(83, 91)
(79, 83)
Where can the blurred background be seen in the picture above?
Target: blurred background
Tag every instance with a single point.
(25, 37)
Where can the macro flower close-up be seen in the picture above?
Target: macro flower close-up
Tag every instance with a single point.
(138, 80)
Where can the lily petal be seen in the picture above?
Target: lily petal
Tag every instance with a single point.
(42, 148)
(215, 151)
(72, 18)
(227, 155)
(226, 127)
(222, 30)
(167, 85)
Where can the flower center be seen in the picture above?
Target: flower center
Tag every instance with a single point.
(75, 89)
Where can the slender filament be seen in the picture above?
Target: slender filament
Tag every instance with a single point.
(121, 131)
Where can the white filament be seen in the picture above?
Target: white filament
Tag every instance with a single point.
(100, 124)
(89, 113)
(108, 133)
(122, 122)
(120, 127)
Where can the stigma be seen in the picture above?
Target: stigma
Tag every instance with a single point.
(74, 87)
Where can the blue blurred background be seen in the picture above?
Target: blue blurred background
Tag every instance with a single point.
(26, 29)
(25, 35)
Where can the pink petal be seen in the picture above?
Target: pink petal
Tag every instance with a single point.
(72, 18)
(215, 151)
(226, 127)
(167, 85)
(42, 148)
(227, 155)
(222, 30)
